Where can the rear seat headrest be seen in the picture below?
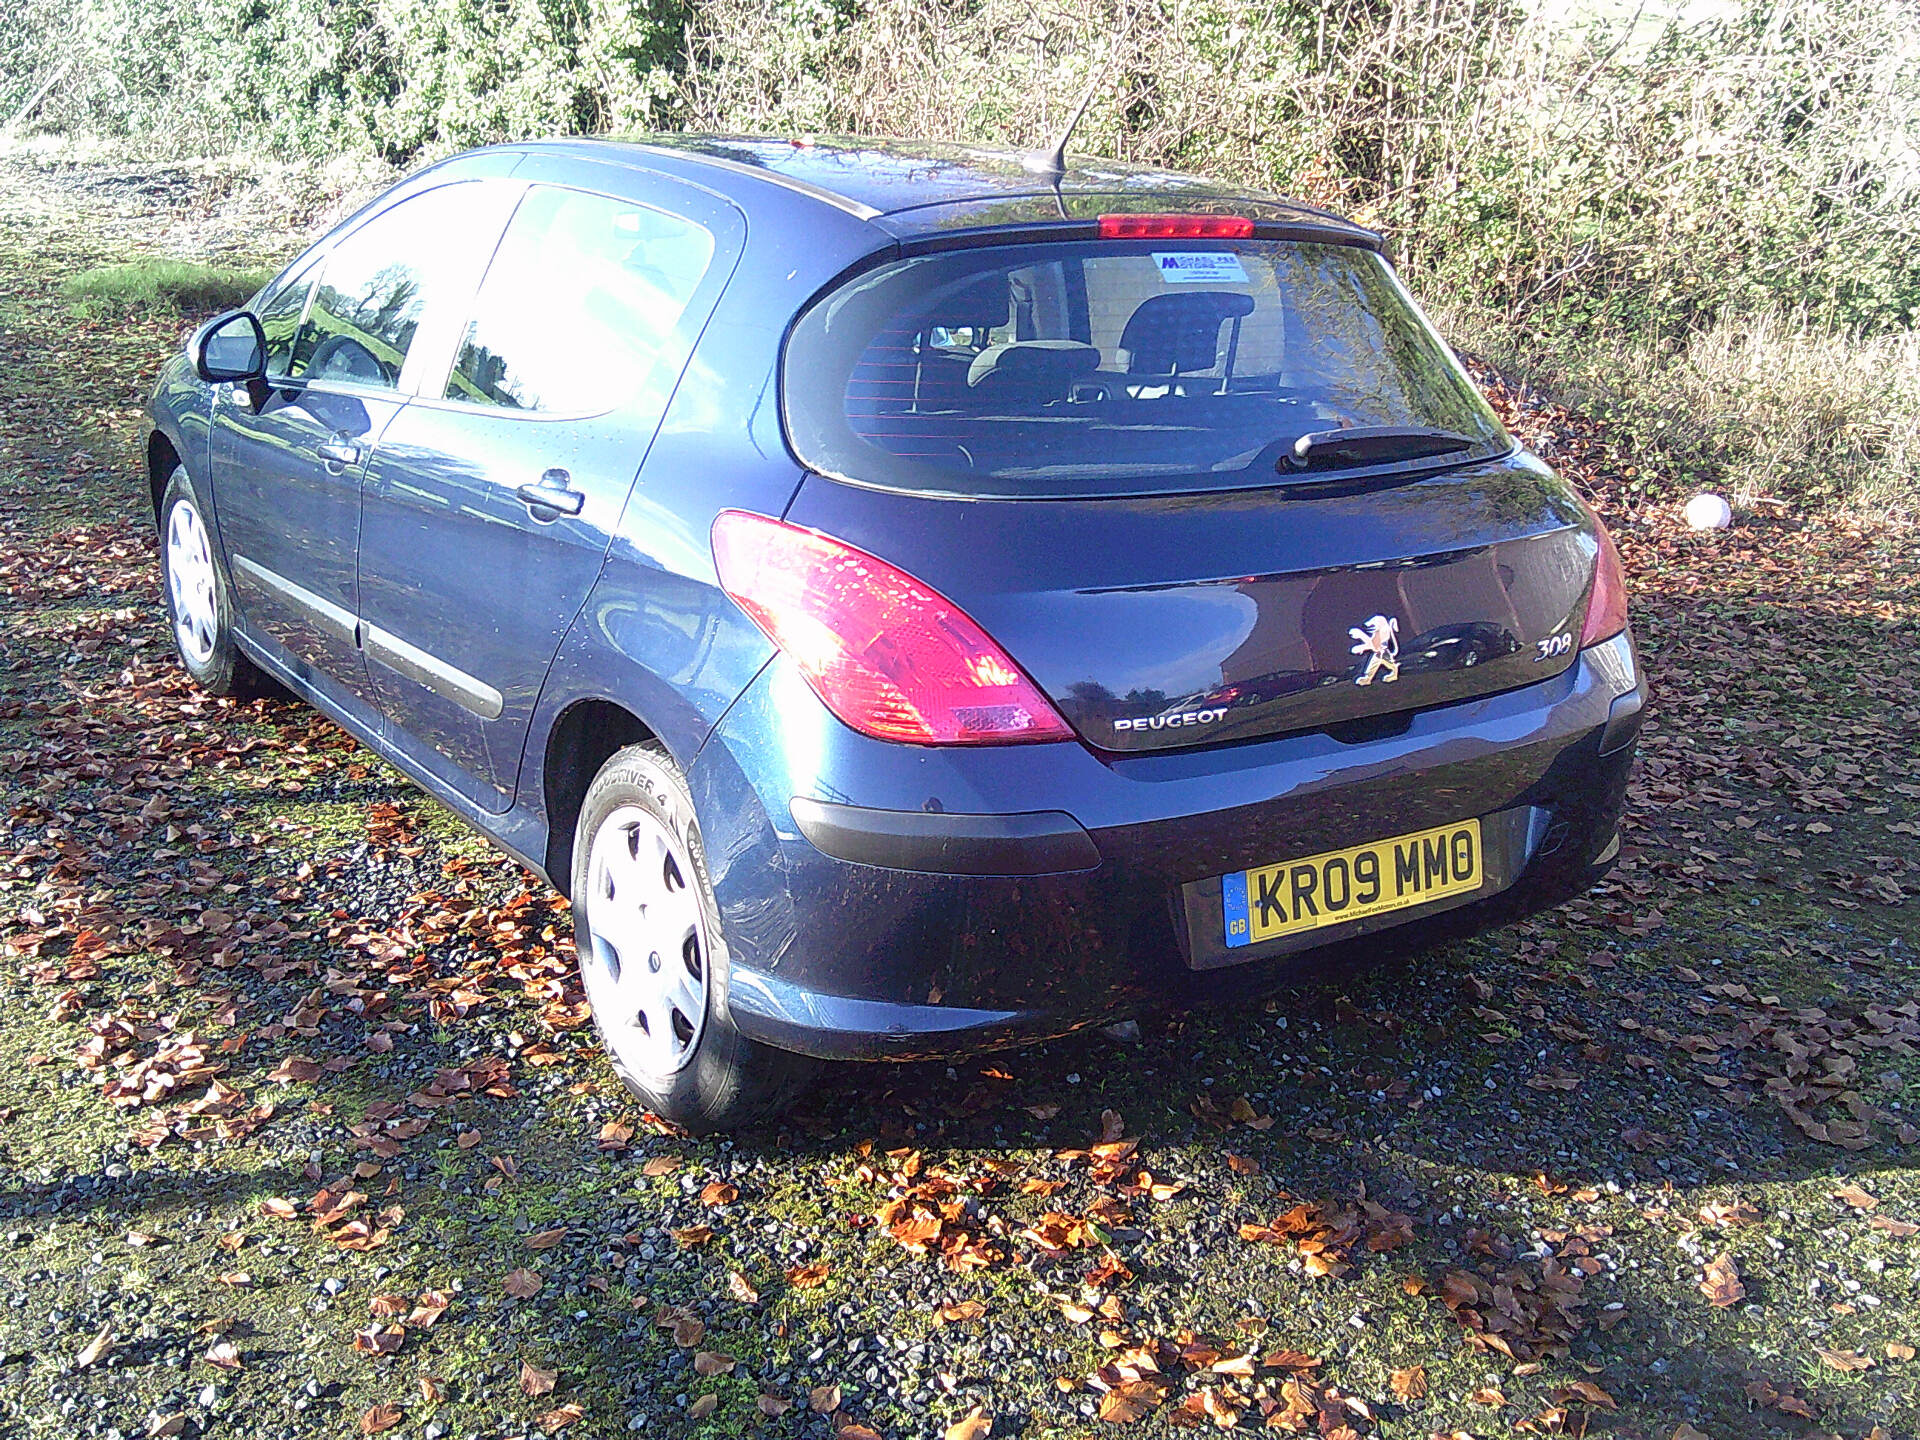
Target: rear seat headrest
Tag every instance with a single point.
(1047, 366)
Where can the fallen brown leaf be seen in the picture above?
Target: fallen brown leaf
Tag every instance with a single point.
(383, 1416)
(823, 1399)
(1845, 1361)
(535, 1381)
(1721, 1282)
(379, 1339)
(703, 1407)
(1730, 1212)
(615, 1134)
(1591, 1393)
(976, 1424)
(546, 1239)
(1129, 1401)
(1297, 1361)
(523, 1284)
(711, 1362)
(1410, 1383)
(94, 1349)
(806, 1277)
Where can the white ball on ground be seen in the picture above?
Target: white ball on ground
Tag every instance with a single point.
(1709, 512)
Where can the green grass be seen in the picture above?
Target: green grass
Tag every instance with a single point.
(144, 285)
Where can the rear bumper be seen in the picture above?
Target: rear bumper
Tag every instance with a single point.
(918, 902)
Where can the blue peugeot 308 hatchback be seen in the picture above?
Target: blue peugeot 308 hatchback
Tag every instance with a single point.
(909, 601)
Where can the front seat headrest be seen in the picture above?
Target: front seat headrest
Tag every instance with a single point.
(1175, 334)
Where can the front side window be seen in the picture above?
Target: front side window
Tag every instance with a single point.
(578, 303)
(280, 321)
(377, 284)
(1123, 366)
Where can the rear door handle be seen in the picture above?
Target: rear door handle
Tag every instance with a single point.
(339, 451)
(552, 491)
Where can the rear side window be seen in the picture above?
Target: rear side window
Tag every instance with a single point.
(579, 301)
(1113, 367)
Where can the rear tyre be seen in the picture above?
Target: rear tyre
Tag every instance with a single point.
(652, 957)
(199, 603)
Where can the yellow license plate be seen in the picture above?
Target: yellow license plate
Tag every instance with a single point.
(1343, 885)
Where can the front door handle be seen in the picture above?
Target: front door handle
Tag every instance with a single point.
(552, 491)
(339, 451)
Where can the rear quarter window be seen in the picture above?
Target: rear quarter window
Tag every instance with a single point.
(1113, 367)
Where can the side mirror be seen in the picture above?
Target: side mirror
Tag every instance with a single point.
(230, 348)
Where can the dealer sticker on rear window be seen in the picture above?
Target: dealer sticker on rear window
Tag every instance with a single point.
(1199, 267)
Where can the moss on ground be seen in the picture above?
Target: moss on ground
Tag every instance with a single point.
(136, 287)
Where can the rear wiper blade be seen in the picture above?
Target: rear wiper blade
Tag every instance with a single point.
(1370, 445)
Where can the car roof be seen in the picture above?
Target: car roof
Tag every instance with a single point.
(913, 188)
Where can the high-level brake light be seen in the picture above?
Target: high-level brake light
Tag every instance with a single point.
(1175, 227)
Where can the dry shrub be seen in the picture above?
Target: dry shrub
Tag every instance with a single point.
(1769, 408)
(1605, 191)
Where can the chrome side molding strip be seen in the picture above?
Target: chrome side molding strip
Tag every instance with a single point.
(431, 671)
(446, 681)
(330, 619)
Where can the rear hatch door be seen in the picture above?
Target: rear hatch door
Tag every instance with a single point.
(1160, 622)
(1204, 485)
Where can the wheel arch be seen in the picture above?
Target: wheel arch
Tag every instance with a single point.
(587, 733)
(163, 457)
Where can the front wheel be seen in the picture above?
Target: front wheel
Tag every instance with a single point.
(652, 957)
(199, 608)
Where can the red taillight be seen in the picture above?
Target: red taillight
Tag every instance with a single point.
(889, 656)
(1175, 227)
(1607, 606)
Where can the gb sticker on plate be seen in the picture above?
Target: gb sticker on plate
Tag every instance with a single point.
(1199, 267)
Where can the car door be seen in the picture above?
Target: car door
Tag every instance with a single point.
(490, 504)
(287, 474)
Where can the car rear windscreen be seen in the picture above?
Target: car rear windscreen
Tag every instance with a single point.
(1116, 367)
